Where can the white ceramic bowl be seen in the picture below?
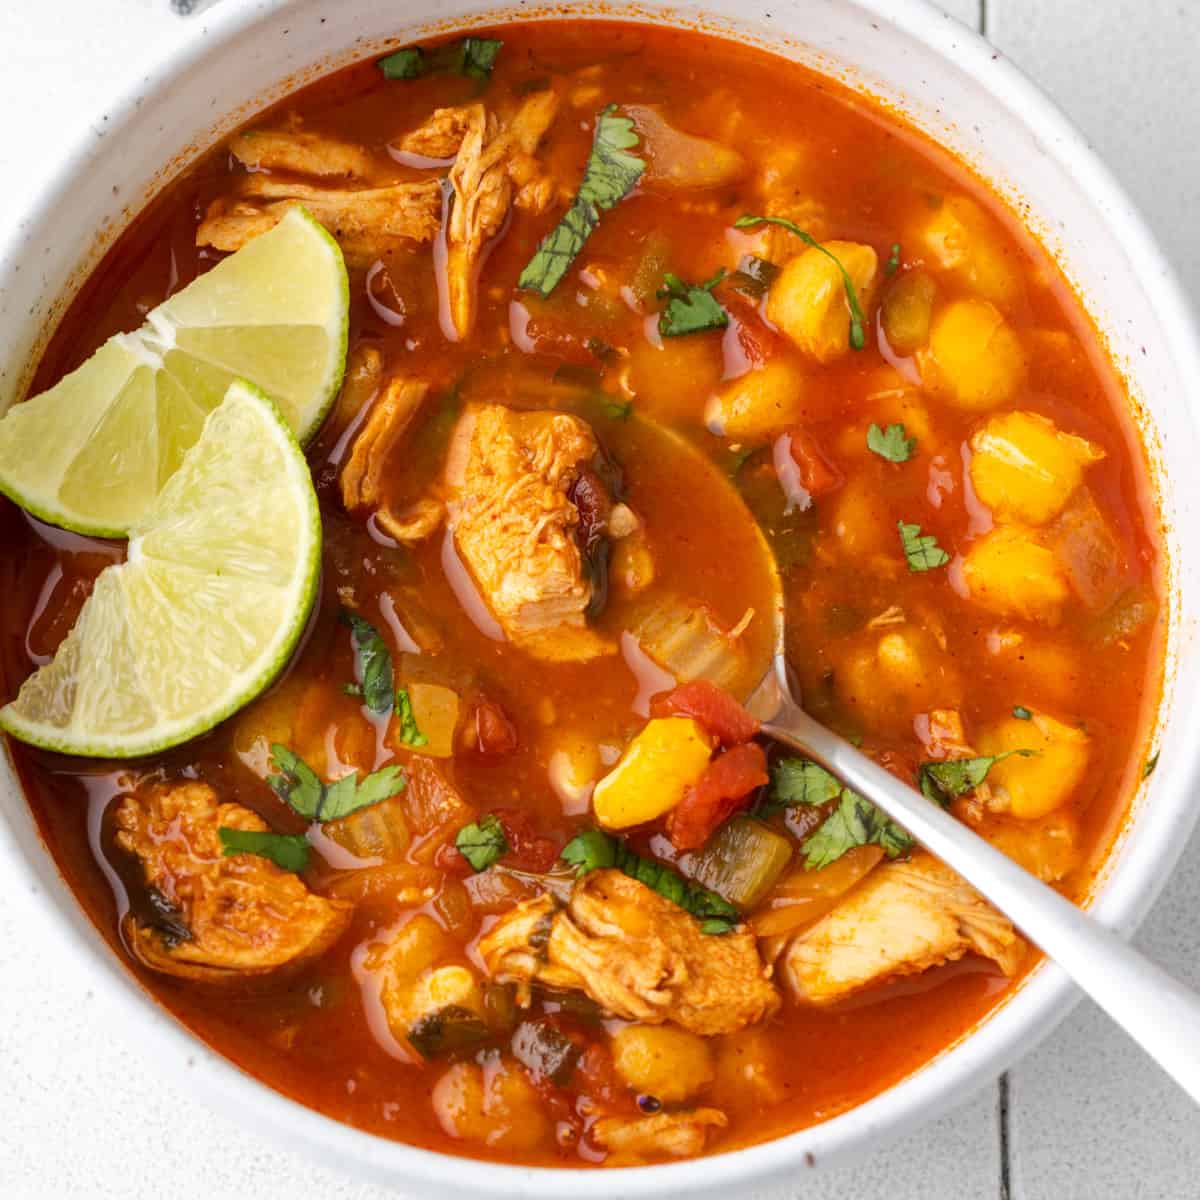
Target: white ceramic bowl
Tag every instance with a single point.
(246, 53)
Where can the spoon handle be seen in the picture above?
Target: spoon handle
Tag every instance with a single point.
(1156, 1010)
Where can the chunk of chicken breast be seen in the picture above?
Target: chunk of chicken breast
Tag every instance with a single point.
(441, 135)
(635, 954)
(509, 474)
(904, 918)
(220, 919)
(367, 222)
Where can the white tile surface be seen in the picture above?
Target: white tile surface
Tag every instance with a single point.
(82, 1117)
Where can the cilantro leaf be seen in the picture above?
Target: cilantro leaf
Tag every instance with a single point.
(482, 843)
(373, 662)
(943, 781)
(921, 550)
(297, 784)
(691, 308)
(479, 56)
(754, 276)
(473, 57)
(891, 443)
(893, 263)
(410, 731)
(855, 822)
(1022, 713)
(801, 781)
(618, 410)
(595, 850)
(1151, 763)
(408, 63)
(299, 787)
(288, 851)
(858, 336)
(609, 176)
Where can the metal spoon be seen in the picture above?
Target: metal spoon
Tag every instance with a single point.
(1157, 1011)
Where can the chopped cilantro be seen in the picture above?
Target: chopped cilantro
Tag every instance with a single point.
(353, 689)
(754, 276)
(609, 176)
(921, 550)
(893, 263)
(618, 410)
(373, 662)
(691, 308)
(943, 781)
(408, 63)
(801, 781)
(288, 851)
(858, 336)
(410, 733)
(738, 460)
(892, 443)
(471, 56)
(1151, 763)
(1022, 713)
(482, 843)
(299, 786)
(596, 850)
(855, 822)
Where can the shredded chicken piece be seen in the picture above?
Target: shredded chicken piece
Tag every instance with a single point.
(367, 222)
(364, 375)
(441, 135)
(387, 421)
(509, 474)
(494, 169)
(412, 524)
(635, 954)
(681, 1134)
(219, 919)
(301, 151)
(904, 918)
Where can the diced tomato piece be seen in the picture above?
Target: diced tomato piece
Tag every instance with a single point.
(528, 850)
(712, 706)
(495, 734)
(748, 343)
(449, 859)
(725, 787)
(817, 473)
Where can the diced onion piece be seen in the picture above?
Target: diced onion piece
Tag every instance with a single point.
(803, 897)
(742, 862)
(378, 831)
(683, 638)
(682, 160)
(435, 709)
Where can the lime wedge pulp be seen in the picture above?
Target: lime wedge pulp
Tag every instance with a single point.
(93, 452)
(220, 578)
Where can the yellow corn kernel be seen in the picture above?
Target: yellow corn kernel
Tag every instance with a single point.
(759, 404)
(662, 1061)
(494, 1105)
(808, 299)
(658, 766)
(889, 678)
(1030, 787)
(1025, 469)
(1009, 572)
(963, 239)
(973, 358)
(671, 379)
(907, 310)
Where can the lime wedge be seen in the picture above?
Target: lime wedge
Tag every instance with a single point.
(93, 452)
(219, 580)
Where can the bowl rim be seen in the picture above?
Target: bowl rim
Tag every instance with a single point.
(971, 1063)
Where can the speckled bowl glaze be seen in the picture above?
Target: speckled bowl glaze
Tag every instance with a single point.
(246, 53)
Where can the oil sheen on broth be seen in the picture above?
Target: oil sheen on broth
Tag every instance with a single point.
(980, 411)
